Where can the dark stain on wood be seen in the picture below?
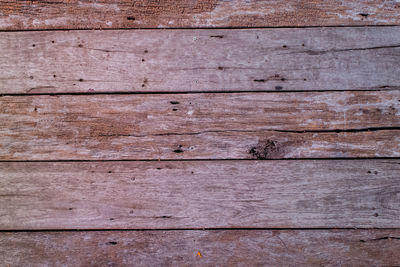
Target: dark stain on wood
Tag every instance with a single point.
(267, 149)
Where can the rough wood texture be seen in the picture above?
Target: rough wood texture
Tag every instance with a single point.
(200, 126)
(216, 248)
(85, 14)
(200, 60)
(198, 194)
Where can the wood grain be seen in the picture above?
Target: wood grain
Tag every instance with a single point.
(200, 126)
(58, 14)
(200, 194)
(216, 248)
(200, 60)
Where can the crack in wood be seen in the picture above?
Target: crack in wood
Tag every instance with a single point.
(380, 238)
(316, 52)
(370, 129)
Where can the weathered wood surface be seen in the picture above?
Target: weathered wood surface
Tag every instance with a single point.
(200, 194)
(200, 126)
(202, 248)
(200, 60)
(21, 15)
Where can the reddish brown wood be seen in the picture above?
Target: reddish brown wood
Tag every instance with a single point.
(200, 194)
(200, 126)
(223, 60)
(84, 14)
(202, 248)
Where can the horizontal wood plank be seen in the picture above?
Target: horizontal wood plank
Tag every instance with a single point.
(202, 248)
(23, 15)
(200, 60)
(200, 194)
(200, 126)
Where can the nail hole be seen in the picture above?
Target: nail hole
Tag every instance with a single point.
(130, 18)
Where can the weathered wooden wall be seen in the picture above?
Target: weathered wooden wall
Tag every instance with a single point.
(204, 142)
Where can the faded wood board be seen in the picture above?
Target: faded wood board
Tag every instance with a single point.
(200, 60)
(200, 126)
(202, 248)
(23, 15)
(200, 194)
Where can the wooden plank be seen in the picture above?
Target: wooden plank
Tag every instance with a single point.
(200, 194)
(200, 60)
(200, 126)
(23, 15)
(202, 248)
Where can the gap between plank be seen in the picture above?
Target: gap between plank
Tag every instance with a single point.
(189, 160)
(196, 229)
(195, 92)
(202, 28)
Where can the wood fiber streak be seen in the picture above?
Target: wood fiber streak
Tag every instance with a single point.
(85, 14)
(200, 60)
(221, 248)
(200, 194)
(200, 126)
